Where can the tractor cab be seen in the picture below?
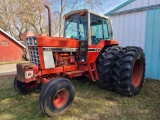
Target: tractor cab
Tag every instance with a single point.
(90, 30)
(84, 25)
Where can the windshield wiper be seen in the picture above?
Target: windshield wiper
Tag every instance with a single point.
(70, 21)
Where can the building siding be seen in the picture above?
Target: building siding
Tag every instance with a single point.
(140, 28)
(138, 4)
(129, 29)
(12, 52)
(153, 44)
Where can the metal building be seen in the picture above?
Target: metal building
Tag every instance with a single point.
(10, 48)
(137, 23)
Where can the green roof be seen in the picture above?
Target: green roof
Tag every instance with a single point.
(119, 7)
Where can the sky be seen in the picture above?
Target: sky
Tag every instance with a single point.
(108, 5)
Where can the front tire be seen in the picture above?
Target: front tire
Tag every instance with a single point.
(128, 71)
(24, 88)
(56, 96)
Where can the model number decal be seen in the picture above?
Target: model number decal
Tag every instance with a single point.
(70, 49)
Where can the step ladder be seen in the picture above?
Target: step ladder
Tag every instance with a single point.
(93, 71)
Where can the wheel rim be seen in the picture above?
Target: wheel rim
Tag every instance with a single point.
(137, 73)
(30, 85)
(60, 98)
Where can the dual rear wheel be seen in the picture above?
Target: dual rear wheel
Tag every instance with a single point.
(122, 69)
(105, 63)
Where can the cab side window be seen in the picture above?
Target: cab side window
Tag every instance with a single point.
(96, 29)
(105, 29)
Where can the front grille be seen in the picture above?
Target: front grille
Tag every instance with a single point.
(34, 55)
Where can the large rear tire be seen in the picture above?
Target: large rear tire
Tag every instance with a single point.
(128, 71)
(104, 66)
(56, 96)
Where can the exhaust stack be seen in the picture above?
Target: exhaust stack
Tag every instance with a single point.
(49, 18)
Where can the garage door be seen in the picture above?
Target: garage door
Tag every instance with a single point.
(152, 44)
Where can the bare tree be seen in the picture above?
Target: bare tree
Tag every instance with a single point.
(70, 5)
(19, 16)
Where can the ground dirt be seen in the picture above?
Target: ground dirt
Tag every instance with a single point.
(90, 103)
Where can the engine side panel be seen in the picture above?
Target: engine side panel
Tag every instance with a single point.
(48, 59)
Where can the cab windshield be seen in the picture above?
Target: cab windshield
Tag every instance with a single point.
(76, 26)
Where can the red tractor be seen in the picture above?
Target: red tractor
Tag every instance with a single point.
(86, 49)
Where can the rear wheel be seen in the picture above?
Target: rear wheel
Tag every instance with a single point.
(104, 66)
(128, 73)
(56, 96)
(24, 88)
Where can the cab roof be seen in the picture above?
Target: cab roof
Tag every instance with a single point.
(84, 10)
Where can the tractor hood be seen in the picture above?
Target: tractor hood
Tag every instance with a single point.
(58, 42)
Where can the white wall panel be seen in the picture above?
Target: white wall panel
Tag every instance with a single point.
(127, 7)
(143, 29)
(126, 26)
(137, 37)
(152, 2)
(133, 5)
(157, 1)
(138, 4)
(130, 29)
(131, 34)
(121, 24)
(115, 26)
(145, 2)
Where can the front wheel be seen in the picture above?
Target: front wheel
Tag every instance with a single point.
(24, 88)
(56, 96)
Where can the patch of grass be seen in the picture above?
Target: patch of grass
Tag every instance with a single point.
(90, 103)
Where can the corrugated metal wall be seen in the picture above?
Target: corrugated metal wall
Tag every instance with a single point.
(153, 44)
(140, 28)
(129, 29)
(12, 52)
(138, 4)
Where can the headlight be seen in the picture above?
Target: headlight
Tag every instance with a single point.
(31, 41)
(35, 41)
(27, 41)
